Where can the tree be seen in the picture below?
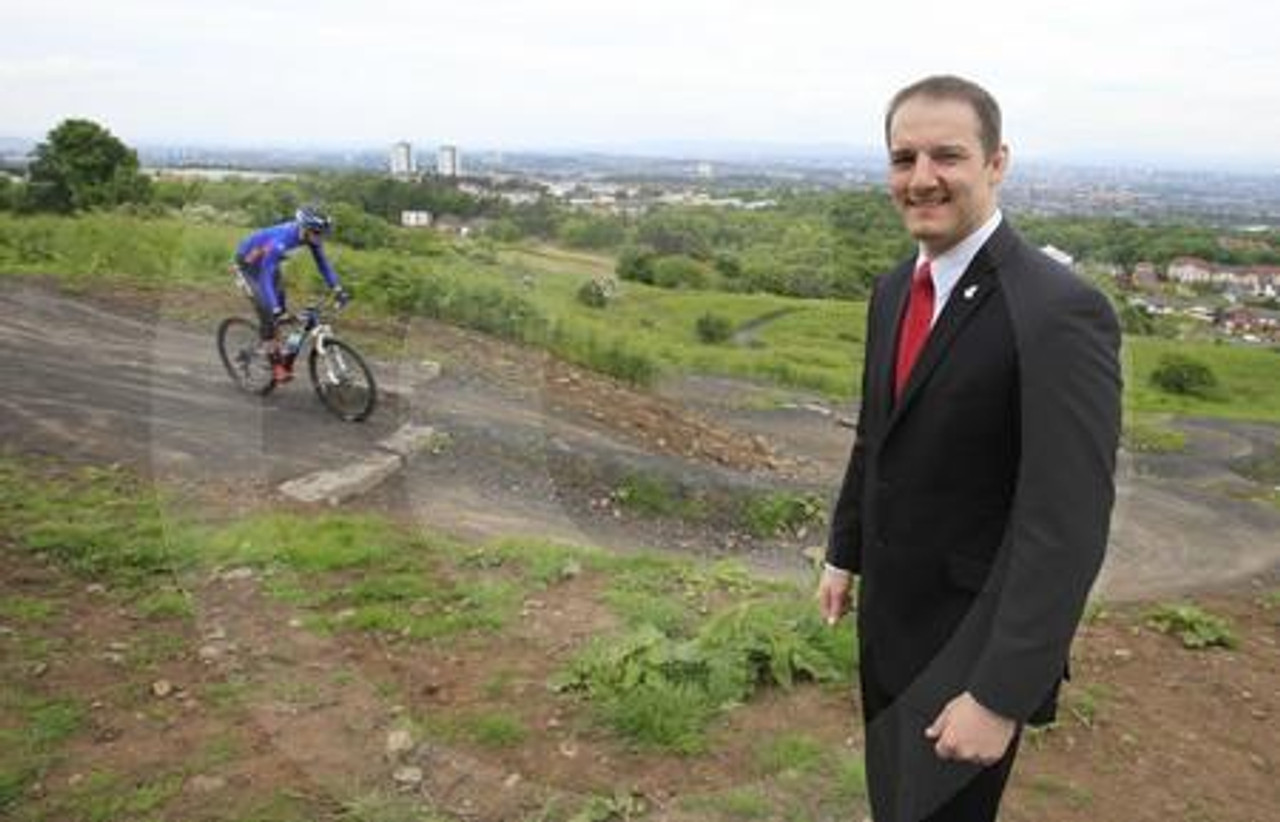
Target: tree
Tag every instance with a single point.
(81, 166)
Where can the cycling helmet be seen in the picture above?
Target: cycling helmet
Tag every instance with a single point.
(313, 219)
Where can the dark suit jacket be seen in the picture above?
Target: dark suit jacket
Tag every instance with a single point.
(976, 509)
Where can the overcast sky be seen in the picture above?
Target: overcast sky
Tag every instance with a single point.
(1147, 80)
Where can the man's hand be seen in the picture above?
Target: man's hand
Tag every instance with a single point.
(341, 297)
(968, 732)
(834, 594)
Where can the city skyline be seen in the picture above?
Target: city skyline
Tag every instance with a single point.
(1175, 83)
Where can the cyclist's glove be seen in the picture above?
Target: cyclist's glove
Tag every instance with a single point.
(341, 297)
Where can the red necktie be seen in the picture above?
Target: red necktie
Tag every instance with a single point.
(915, 325)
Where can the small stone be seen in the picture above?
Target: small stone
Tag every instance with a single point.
(408, 776)
(95, 588)
(295, 623)
(399, 742)
(113, 658)
(568, 749)
(161, 688)
(1122, 653)
(209, 653)
(237, 574)
(39, 669)
(511, 781)
(117, 646)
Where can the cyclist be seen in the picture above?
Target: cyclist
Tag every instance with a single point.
(258, 260)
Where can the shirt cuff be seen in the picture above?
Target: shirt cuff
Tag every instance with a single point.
(836, 570)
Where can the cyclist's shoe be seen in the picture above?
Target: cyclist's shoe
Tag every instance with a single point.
(281, 371)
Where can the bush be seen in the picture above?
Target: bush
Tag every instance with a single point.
(595, 293)
(679, 271)
(636, 264)
(1185, 376)
(714, 328)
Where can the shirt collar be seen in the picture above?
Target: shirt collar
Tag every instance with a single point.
(950, 266)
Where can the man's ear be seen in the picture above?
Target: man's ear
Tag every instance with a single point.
(999, 164)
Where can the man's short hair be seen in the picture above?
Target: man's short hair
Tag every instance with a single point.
(950, 87)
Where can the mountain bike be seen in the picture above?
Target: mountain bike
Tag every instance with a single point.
(342, 380)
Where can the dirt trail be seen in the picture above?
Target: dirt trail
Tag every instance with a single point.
(531, 446)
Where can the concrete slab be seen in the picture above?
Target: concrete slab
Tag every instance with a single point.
(341, 484)
(408, 440)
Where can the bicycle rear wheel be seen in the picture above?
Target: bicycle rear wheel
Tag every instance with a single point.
(342, 381)
(240, 347)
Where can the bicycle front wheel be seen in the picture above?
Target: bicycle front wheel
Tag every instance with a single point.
(342, 381)
(242, 354)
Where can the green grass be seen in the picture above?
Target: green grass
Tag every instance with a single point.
(796, 752)
(32, 731)
(1193, 626)
(27, 610)
(1152, 434)
(165, 605)
(100, 523)
(1248, 380)
(497, 729)
(783, 513)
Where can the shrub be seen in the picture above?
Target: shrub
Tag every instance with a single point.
(714, 328)
(1186, 376)
(679, 271)
(635, 263)
(596, 293)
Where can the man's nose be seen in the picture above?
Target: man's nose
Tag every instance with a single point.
(923, 173)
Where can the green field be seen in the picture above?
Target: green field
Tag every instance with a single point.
(529, 294)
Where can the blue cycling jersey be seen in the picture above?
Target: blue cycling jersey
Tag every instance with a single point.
(262, 253)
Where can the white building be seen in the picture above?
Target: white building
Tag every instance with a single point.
(415, 219)
(401, 162)
(448, 162)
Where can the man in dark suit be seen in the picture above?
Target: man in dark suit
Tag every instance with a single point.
(977, 500)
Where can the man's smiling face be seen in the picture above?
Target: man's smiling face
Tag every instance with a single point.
(942, 182)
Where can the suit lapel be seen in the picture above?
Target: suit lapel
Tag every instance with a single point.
(973, 289)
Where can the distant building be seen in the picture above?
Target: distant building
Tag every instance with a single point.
(1254, 280)
(705, 171)
(415, 219)
(1144, 276)
(401, 163)
(448, 162)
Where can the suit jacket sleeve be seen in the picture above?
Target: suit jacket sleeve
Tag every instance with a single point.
(1070, 388)
(844, 546)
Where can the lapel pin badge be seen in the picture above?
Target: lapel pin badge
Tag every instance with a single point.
(970, 291)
